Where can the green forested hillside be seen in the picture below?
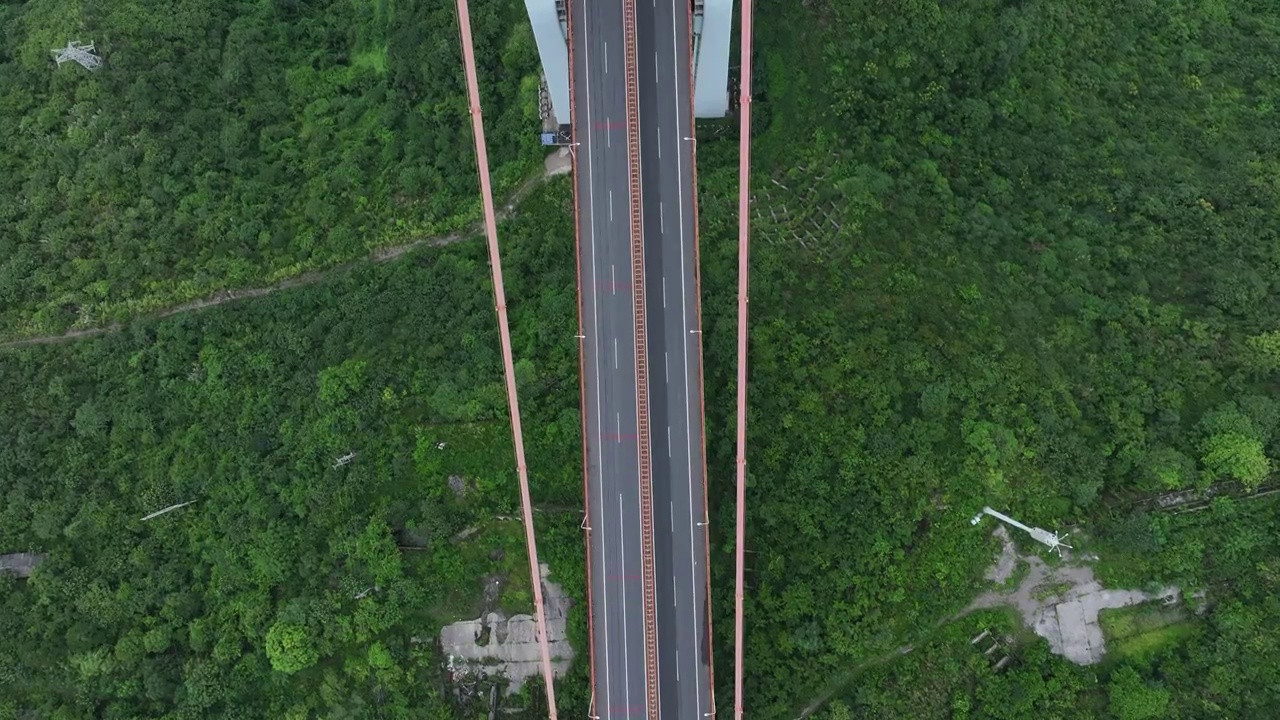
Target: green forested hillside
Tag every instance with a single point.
(244, 603)
(227, 142)
(1011, 253)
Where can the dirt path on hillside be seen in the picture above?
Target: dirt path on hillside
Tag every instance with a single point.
(556, 165)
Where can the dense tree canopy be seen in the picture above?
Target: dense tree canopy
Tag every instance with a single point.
(281, 591)
(226, 142)
(1011, 253)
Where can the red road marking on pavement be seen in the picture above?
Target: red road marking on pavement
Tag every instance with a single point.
(619, 438)
(616, 125)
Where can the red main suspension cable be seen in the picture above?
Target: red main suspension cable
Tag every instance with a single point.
(508, 368)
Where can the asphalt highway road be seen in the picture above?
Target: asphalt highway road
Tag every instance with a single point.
(675, 390)
(609, 372)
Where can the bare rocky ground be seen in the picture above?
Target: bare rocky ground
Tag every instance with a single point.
(1007, 562)
(495, 645)
(1060, 604)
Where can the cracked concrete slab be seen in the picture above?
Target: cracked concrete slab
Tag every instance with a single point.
(1086, 644)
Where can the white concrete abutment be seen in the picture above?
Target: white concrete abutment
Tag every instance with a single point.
(712, 26)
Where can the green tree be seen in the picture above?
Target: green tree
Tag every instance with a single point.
(837, 710)
(1236, 456)
(89, 420)
(156, 640)
(376, 548)
(340, 382)
(379, 656)
(1262, 352)
(291, 648)
(1168, 469)
(1131, 698)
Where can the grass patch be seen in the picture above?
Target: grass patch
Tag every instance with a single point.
(469, 450)
(374, 57)
(495, 549)
(1140, 633)
(1021, 568)
(1044, 591)
(476, 456)
(1142, 649)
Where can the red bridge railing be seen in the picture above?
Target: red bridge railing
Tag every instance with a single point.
(705, 523)
(592, 711)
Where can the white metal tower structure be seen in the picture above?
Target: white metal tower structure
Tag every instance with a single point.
(1053, 540)
(83, 54)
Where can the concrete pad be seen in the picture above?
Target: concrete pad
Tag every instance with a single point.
(559, 163)
(512, 649)
(1069, 621)
(1074, 634)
